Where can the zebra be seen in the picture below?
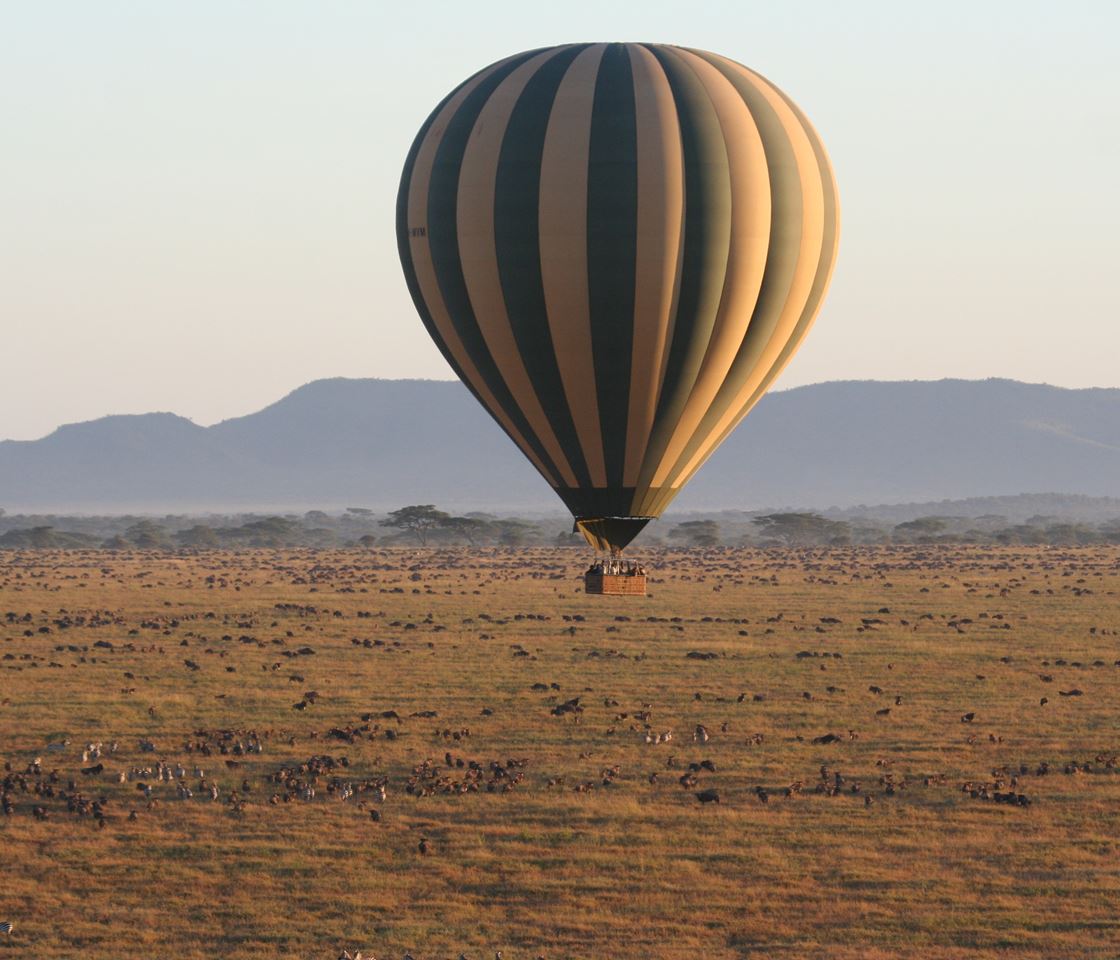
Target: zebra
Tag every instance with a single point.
(6, 927)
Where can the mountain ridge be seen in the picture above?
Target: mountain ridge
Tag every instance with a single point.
(380, 443)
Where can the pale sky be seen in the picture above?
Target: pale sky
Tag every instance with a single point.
(196, 198)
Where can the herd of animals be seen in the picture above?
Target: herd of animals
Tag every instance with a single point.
(685, 700)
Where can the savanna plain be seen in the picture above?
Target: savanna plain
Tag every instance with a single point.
(838, 753)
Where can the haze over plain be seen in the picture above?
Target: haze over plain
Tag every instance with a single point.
(198, 199)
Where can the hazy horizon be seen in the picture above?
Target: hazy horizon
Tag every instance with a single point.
(198, 198)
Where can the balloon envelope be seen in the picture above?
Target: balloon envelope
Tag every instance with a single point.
(617, 247)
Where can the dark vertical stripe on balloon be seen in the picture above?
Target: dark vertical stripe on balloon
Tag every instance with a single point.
(443, 241)
(517, 245)
(705, 248)
(612, 243)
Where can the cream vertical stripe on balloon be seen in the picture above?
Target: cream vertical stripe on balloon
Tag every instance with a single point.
(479, 258)
(829, 249)
(657, 270)
(563, 246)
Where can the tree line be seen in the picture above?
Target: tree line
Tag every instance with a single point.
(354, 527)
(427, 525)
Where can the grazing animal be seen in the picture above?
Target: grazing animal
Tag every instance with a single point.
(6, 927)
(708, 796)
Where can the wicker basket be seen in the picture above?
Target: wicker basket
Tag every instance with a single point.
(617, 585)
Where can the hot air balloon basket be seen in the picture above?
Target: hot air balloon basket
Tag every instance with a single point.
(615, 585)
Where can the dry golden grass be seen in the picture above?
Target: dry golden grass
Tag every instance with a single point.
(630, 869)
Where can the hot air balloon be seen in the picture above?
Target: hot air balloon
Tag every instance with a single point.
(617, 247)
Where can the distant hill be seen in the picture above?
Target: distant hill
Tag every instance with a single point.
(384, 443)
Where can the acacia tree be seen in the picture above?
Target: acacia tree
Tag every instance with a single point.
(696, 533)
(513, 532)
(148, 535)
(471, 528)
(803, 529)
(420, 520)
(42, 537)
(920, 528)
(199, 536)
